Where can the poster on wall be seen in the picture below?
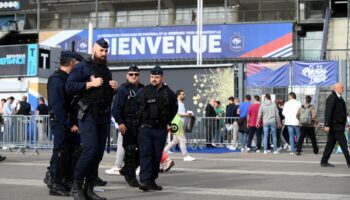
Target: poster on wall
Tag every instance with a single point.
(181, 42)
(268, 74)
(19, 60)
(315, 73)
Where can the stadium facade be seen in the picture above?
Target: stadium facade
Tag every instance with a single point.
(163, 32)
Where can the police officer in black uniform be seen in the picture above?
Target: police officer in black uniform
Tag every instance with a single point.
(158, 106)
(92, 81)
(125, 114)
(63, 125)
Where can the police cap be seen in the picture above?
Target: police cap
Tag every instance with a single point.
(157, 70)
(70, 54)
(133, 68)
(102, 43)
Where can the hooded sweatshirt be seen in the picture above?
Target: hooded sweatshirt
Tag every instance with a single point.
(269, 112)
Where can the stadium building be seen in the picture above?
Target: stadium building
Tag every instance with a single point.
(245, 46)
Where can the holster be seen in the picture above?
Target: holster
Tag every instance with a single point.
(83, 110)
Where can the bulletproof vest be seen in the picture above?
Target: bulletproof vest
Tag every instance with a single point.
(156, 106)
(24, 108)
(130, 107)
(68, 99)
(102, 95)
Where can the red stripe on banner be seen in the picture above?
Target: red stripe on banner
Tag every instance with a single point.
(259, 66)
(251, 71)
(270, 47)
(254, 69)
(249, 74)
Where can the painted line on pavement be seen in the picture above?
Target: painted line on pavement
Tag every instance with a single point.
(202, 191)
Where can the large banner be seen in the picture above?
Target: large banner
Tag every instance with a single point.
(318, 73)
(19, 60)
(274, 74)
(181, 42)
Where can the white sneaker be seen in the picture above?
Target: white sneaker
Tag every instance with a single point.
(213, 144)
(291, 153)
(137, 172)
(189, 158)
(265, 152)
(279, 149)
(248, 149)
(230, 147)
(257, 151)
(276, 152)
(285, 146)
(113, 171)
(243, 149)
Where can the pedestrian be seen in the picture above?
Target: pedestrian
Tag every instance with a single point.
(63, 126)
(210, 115)
(290, 110)
(23, 107)
(42, 121)
(268, 112)
(220, 122)
(307, 117)
(92, 81)
(335, 122)
(119, 160)
(242, 121)
(232, 117)
(125, 114)
(282, 132)
(179, 135)
(158, 106)
(252, 118)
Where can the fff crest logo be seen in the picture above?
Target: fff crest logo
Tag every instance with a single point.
(237, 42)
(316, 74)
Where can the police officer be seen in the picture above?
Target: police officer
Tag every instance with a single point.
(158, 106)
(63, 125)
(125, 114)
(92, 81)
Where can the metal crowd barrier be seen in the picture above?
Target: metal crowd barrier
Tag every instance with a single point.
(22, 133)
(219, 130)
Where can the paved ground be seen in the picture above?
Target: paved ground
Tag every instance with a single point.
(247, 176)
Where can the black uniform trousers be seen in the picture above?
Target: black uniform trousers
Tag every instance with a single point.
(66, 146)
(152, 143)
(131, 135)
(332, 138)
(259, 133)
(307, 131)
(93, 133)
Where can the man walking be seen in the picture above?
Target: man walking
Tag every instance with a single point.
(92, 81)
(307, 117)
(252, 118)
(335, 122)
(158, 106)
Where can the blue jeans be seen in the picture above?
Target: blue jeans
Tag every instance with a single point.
(293, 131)
(267, 128)
(243, 139)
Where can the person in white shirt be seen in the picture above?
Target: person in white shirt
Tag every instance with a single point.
(8, 109)
(290, 111)
(180, 138)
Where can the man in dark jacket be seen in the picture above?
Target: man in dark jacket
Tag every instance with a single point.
(211, 124)
(335, 121)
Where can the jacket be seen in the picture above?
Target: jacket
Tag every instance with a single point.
(269, 113)
(335, 113)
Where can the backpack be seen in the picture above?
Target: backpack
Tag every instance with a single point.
(305, 116)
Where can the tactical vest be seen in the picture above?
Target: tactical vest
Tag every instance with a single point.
(156, 107)
(102, 95)
(24, 108)
(68, 99)
(130, 109)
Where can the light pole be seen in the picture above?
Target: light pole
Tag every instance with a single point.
(199, 31)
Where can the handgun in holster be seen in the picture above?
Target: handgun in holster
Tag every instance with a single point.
(83, 110)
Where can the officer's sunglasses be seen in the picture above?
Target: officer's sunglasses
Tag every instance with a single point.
(133, 74)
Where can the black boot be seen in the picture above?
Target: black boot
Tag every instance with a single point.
(77, 191)
(47, 179)
(89, 192)
(58, 190)
(130, 166)
(155, 186)
(100, 182)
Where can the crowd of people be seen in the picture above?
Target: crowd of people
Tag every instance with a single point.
(264, 126)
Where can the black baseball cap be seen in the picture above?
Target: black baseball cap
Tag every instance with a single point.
(133, 68)
(102, 43)
(157, 70)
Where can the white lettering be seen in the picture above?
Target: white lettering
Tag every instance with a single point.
(114, 46)
(124, 46)
(183, 44)
(44, 56)
(168, 45)
(153, 47)
(214, 44)
(138, 45)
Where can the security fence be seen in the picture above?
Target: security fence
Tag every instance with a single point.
(32, 133)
